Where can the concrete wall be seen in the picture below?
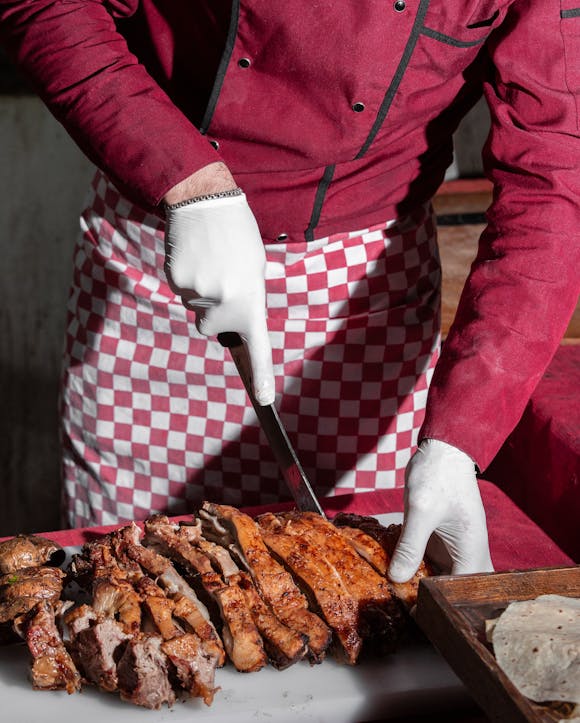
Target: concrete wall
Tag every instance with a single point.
(43, 180)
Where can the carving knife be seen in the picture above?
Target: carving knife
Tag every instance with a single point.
(268, 416)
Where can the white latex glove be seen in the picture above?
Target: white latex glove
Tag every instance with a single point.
(442, 497)
(215, 260)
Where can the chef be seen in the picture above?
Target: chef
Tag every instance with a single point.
(267, 168)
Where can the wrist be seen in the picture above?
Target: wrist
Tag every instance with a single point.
(445, 453)
(207, 197)
(209, 180)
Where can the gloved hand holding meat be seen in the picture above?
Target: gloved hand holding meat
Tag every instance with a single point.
(442, 497)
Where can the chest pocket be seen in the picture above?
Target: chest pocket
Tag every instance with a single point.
(570, 29)
(453, 24)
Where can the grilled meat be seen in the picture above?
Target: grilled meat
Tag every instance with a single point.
(281, 587)
(118, 599)
(240, 534)
(21, 590)
(28, 551)
(52, 666)
(132, 621)
(240, 636)
(283, 645)
(95, 644)
(376, 544)
(126, 541)
(194, 667)
(143, 673)
(353, 598)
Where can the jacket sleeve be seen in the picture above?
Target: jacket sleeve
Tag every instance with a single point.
(524, 283)
(81, 67)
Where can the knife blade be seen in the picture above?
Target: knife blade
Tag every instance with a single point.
(292, 471)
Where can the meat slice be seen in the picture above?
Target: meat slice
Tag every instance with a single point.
(143, 673)
(119, 600)
(29, 551)
(353, 598)
(52, 666)
(239, 633)
(96, 644)
(284, 645)
(194, 668)
(99, 632)
(376, 543)
(194, 665)
(114, 629)
(188, 607)
(20, 591)
(325, 589)
(237, 531)
(159, 607)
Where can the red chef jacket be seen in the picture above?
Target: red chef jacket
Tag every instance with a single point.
(335, 116)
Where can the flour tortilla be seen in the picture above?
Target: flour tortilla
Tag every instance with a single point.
(537, 645)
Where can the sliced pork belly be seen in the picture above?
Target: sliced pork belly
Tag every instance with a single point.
(283, 645)
(376, 543)
(240, 534)
(239, 633)
(353, 598)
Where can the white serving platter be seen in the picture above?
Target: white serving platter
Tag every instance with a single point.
(413, 680)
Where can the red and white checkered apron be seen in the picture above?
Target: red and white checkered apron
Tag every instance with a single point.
(155, 417)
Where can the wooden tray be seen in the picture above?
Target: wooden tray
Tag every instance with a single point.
(451, 610)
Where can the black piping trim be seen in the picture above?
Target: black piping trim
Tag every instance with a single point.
(223, 66)
(461, 219)
(449, 40)
(318, 201)
(572, 13)
(395, 82)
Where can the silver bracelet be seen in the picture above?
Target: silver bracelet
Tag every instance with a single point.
(208, 197)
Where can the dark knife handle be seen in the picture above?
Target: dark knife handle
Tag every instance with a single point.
(233, 341)
(230, 339)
